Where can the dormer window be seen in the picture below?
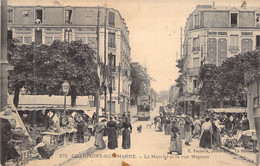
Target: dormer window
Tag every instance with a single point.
(111, 20)
(196, 21)
(68, 16)
(38, 16)
(234, 19)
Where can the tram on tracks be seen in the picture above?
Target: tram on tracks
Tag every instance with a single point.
(143, 107)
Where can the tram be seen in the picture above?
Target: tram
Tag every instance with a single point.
(143, 107)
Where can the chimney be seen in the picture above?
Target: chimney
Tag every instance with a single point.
(244, 4)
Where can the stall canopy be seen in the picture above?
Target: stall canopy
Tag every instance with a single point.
(45, 102)
(229, 110)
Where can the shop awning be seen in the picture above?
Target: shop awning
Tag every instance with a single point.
(229, 110)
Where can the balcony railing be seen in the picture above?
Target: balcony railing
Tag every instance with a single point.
(196, 48)
(234, 48)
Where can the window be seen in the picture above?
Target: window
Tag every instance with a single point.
(68, 18)
(234, 19)
(196, 21)
(196, 62)
(10, 16)
(233, 43)
(111, 40)
(38, 36)
(112, 61)
(38, 16)
(111, 20)
(196, 44)
(25, 13)
(68, 35)
(9, 34)
(257, 19)
(113, 83)
(257, 42)
(195, 84)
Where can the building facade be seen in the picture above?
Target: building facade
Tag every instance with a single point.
(44, 24)
(213, 33)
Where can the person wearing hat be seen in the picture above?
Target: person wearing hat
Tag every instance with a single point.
(181, 124)
(187, 128)
(216, 141)
(99, 141)
(197, 126)
(112, 135)
(176, 144)
(80, 130)
(126, 143)
(206, 138)
(7, 147)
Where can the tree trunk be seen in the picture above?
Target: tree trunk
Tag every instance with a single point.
(16, 96)
(73, 96)
(221, 103)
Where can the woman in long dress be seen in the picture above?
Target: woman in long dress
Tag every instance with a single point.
(126, 144)
(99, 141)
(206, 138)
(168, 126)
(216, 141)
(176, 144)
(181, 127)
(112, 134)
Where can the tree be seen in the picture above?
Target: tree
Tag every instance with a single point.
(179, 80)
(42, 69)
(140, 81)
(209, 90)
(72, 61)
(19, 56)
(231, 77)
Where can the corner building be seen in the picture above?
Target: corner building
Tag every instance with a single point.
(213, 33)
(44, 24)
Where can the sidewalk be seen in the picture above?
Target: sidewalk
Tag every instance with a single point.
(65, 153)
(245, 154)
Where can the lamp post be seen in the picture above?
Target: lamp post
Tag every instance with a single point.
(110, 93)
(65, 89)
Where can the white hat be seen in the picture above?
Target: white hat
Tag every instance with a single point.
(183, 116)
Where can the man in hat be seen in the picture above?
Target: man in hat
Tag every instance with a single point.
(187, 128)
(6, 134)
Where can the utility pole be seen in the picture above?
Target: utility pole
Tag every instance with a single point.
(97, 91)
(3, 59)
(105, 63)
(181, 44)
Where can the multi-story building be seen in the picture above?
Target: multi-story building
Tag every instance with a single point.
(212, 34)
(44, 24)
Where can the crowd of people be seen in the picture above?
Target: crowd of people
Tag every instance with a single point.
(113, 128)
(208, 129)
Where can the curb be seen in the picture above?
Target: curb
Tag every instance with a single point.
(236, 154)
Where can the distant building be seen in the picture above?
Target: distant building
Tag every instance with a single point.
(44, 24)
(173, 94)
(212, 34)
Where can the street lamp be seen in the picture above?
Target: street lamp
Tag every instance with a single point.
(65, 89)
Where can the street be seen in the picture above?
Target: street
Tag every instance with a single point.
(150, 148)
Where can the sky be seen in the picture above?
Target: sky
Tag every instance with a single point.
(155, 28)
